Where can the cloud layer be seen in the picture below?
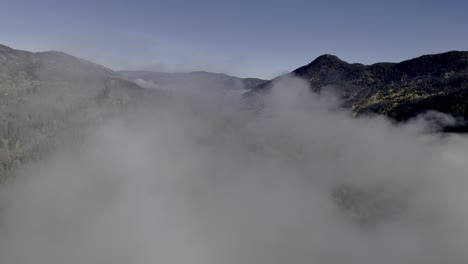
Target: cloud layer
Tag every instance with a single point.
(300, 181)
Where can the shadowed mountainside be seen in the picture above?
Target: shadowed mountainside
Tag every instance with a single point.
(399, 90)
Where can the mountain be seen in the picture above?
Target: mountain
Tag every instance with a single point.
(198, 81)
(48, 97)
(399, 90)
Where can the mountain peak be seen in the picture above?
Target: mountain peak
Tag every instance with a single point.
(327, 59)
(323, 62)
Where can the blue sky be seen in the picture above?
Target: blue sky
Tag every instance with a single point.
(245, 38)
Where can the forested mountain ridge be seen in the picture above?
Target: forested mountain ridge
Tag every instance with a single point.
(50, 98)
(398, 90)
(46, 95)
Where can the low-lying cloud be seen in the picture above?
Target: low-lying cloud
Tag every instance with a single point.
(300, 181)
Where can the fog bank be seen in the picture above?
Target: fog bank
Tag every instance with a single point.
(208, 182)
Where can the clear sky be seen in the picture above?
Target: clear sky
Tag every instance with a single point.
(256, 38)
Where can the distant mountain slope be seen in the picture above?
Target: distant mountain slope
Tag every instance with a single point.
(47, 98)
(398, 90)
(192, 81)
(46, 95)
